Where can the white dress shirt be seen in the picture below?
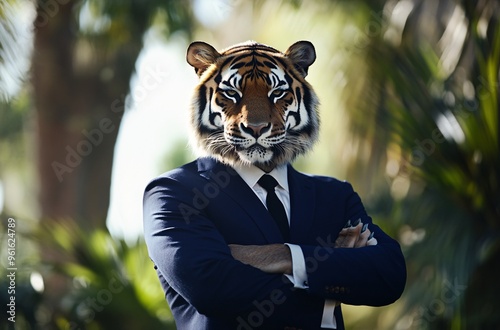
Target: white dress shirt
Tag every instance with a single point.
(251, 174)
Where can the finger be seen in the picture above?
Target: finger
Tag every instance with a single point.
(364, 236)
(349, 236)
(372, 240)
(342, 235)
(339, 242)
(340, 239)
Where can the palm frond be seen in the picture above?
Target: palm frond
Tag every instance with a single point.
(440, 123)
(109, 278)
(16, 39)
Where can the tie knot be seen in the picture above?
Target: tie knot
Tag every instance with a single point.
(267, 182)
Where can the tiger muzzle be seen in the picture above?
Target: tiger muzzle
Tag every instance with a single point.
(255, 130)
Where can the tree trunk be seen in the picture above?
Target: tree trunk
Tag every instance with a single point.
(79, 87)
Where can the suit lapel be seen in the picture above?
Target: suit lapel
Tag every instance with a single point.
(302, 204)
(231, 184)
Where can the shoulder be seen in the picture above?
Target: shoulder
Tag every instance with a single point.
(192, 174)
(177, 174)
(178, 179)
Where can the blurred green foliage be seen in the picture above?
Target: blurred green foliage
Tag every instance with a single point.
(438, 124)
(112, 283)
(14, 115)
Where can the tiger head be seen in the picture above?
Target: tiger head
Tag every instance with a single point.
(252, 104)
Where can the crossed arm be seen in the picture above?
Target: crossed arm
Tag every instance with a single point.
(277, 258)
(209, 274)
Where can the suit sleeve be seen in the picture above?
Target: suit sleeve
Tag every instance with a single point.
(371, 275)
(194, 258)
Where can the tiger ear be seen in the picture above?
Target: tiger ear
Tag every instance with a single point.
(302, 55)
(201, 55)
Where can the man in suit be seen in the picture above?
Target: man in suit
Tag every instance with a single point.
(254, 244)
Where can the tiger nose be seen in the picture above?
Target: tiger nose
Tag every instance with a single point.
(255, 130)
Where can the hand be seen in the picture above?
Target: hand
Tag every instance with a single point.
(272, 258)
(277, 259)
(355, 235)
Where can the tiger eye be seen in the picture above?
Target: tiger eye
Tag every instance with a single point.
(231, 93)
(277, 93)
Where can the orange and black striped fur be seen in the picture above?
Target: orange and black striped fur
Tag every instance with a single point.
(252, 104)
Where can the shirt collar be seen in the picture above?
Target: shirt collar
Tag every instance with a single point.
(251, 174)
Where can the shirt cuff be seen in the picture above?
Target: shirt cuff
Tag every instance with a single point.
(329, 321)
(299, 274)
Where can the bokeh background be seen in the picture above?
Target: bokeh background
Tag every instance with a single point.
(94, 98)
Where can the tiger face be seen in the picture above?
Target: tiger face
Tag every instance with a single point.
(252, 104)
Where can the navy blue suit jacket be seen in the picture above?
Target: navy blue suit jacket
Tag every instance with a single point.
(192, 213)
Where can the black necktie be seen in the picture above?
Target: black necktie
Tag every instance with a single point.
(274, 205)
